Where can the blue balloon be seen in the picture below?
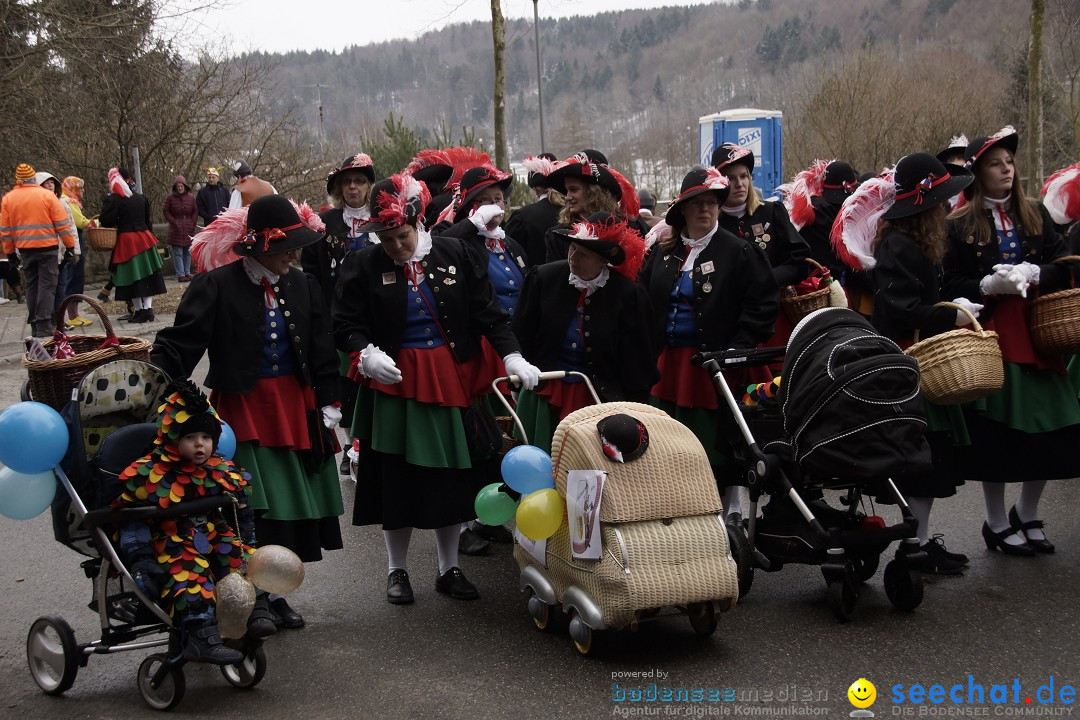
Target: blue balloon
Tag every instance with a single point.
(33, 437)
(226, 445)
(25, 495)
(527, 469)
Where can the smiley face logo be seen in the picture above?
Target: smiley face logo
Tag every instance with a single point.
(862, 693)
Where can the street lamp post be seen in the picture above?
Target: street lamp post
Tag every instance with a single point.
(539, 82)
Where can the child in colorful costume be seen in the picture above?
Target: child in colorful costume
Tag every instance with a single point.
(178, 560)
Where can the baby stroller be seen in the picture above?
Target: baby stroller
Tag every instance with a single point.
(662, 541)
(847, 416)
(111, 422)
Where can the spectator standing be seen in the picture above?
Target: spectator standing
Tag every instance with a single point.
(213, 197)
(181, 214)
(71, 193)
(66, 258)
(33, 225)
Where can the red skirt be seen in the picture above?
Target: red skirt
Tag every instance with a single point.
(130, 244)
(690, 386)
(433, 376)
(1010, 322)
(274, 414)
(491, 367)
(566, 397)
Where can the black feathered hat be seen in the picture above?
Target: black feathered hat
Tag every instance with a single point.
(922, 181)
(359, 161)
(273, 226)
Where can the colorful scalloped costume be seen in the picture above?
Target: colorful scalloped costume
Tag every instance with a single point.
(193, 554)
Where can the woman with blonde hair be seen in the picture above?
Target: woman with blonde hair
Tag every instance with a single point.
(1002, 247)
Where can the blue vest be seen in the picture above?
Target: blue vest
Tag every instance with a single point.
(572, 353)
(680, 330)
(277, 355)
(506, 278)
(421, 331)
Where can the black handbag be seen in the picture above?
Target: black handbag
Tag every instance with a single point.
(482, 434)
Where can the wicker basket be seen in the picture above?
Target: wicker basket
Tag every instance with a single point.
(797, 307)
(1055, 320)
(51, 381)
(960, 365)
(101, 238)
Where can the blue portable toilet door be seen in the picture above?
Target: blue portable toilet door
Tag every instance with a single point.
(761, 135)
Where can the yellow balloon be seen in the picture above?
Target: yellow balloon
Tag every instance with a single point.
(540, 514)
(275, 569)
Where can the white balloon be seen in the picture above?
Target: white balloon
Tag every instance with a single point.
(235, 600)
(275, 569)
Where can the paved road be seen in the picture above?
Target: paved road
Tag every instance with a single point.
(359, 657)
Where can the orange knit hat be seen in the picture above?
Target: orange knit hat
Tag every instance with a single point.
(24, 173)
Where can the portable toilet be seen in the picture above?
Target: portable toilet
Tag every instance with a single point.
(761, 131)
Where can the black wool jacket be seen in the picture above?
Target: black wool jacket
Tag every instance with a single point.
(223, 313)
(770, 229)
(906, 286)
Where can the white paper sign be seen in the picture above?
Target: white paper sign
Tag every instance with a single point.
(537, 549)
(584, 489)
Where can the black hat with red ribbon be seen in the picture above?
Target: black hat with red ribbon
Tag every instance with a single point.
(922, 182)
(474, 181)
(732, 154)
(623, 438)
(1006, 138)
(273, 226)
(839, 182)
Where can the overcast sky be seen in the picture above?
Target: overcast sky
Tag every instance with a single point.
(282, 25)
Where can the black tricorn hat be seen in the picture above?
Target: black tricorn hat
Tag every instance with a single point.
(732, 154)
(274, 227)
(474, 181)
(624, 438)
(922, 182)
(697, 182)
(838, 182)
(359, 161)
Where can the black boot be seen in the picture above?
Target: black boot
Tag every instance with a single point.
(260, 624)
(203, 644)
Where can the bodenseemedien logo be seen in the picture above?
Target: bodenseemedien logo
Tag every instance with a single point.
(862, 694)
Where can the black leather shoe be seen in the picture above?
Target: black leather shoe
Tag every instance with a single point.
(453, 583)
(126, 317)
(344, 468)
(290, 619)
(469, 543)
(936, 562)
(260, 624)
(494, 533)
(939, 542)
(1044, 545)
(997, 540)
(398, 588)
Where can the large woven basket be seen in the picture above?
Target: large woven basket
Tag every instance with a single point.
(101, 238)
(51, 381)
(960, 365)
(1055, 320)
(796, 307)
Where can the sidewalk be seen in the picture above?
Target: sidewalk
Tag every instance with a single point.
(14, 328)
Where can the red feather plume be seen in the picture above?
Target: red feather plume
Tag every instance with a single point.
(856, 225)
(629, 203)
(805, 186)
(1061, 195)
(408, 201)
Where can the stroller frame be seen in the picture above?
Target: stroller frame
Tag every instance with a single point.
(128, 619)
(848, 556)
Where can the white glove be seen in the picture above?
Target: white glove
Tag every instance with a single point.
(331, 416)
(1027, 273)
(528, 373)
(998, 284)
(962, 317)
(487, 217)
(379, 366)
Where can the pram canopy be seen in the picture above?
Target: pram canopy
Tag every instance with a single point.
(850, 400)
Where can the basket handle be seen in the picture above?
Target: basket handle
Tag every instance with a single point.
(1072, 276)
(975, 326)
(98, 308)
(817, 265)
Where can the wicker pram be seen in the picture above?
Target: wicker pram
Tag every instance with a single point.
(664, 542)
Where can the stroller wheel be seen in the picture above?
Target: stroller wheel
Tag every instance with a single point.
(53, 654)
(249, 672)
(903, 585)
(844, 594)
(170, 688)
(582, 635)
(24, 391)
(702, 618)
(743, 555)
(866, 567)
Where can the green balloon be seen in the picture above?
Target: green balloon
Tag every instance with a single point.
(494, 507)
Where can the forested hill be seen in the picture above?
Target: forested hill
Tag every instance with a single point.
(633, 83)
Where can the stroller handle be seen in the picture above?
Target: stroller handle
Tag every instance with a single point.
(548, 375)
(740, 357)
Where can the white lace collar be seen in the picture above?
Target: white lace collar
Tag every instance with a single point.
(590, 286)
